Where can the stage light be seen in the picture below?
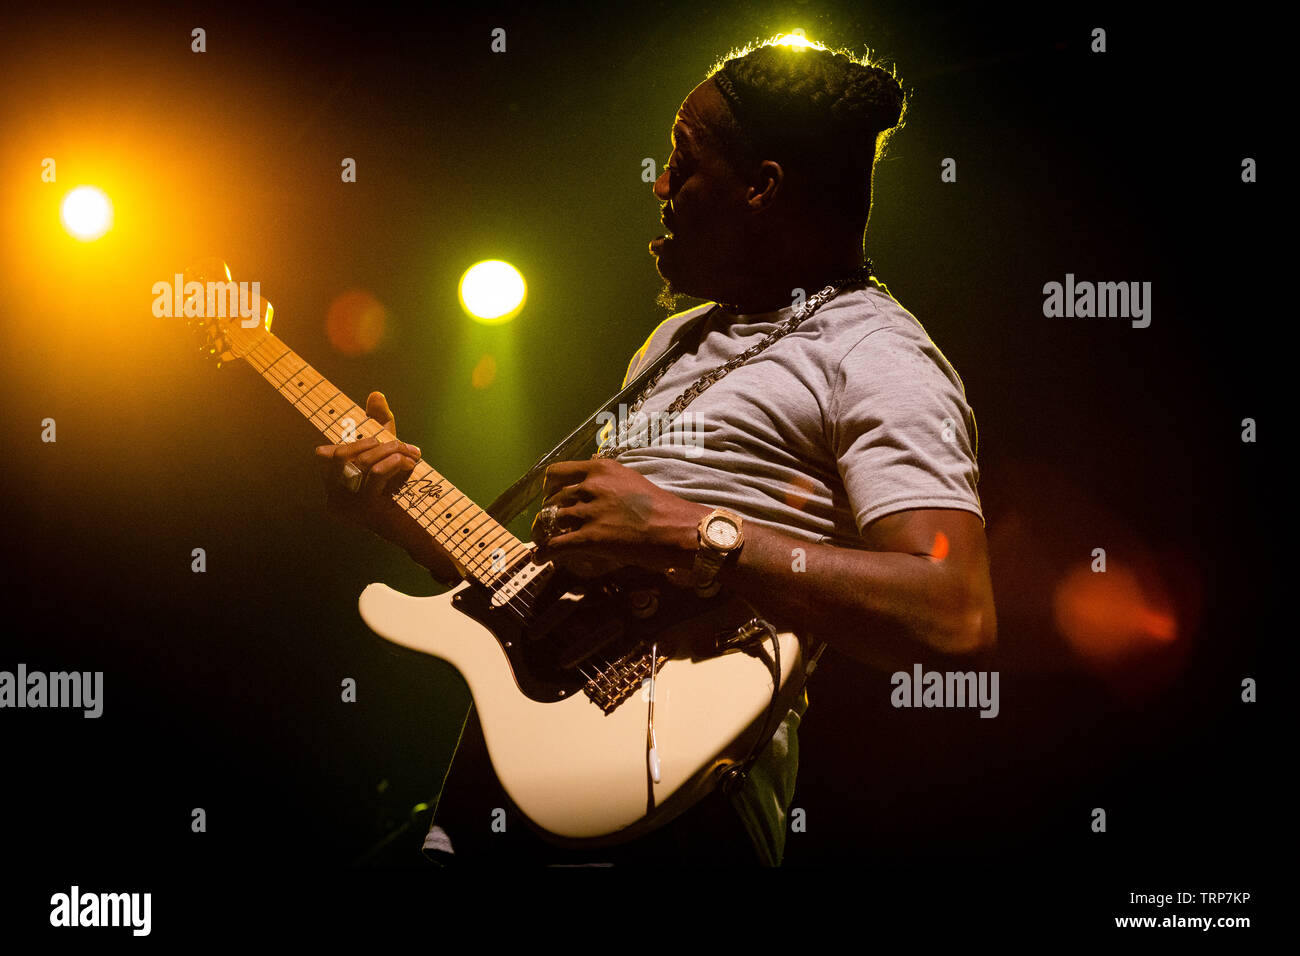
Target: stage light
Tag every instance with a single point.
(797, 41)
(492, 291)
(86, 212)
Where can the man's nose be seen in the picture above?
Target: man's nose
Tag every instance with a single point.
(661, 187)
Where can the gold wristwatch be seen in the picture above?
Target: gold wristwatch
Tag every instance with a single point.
(720, 537)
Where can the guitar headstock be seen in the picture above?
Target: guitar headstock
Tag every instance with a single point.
(214, 306)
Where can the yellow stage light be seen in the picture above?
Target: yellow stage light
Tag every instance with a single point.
(87, 213)
(492, 291)
(796, 40)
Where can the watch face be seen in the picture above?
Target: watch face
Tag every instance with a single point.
(721, 533)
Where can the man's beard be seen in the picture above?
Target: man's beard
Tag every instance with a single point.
(669, 297)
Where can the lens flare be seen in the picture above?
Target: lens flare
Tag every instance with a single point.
(355, 322)
(799, 492)
(485, 372)
(1110, 615)
(940, 549)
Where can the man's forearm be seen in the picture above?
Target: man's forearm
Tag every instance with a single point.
(443, 569)
(884, 608)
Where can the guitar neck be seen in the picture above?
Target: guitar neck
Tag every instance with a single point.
(465, 531)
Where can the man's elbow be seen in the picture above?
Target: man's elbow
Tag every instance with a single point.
(972, 627)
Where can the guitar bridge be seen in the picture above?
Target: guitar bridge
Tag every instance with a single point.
(618, 681)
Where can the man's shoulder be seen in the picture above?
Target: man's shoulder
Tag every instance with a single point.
(662, 336)
(666, 330)
(850, 317)
(876, 328)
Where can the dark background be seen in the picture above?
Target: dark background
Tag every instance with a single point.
(222, 689)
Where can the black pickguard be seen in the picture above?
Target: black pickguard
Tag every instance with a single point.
(564, 641)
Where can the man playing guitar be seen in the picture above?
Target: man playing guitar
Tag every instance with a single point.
(835, 484)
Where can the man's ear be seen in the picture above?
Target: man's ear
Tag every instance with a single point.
(766, 187)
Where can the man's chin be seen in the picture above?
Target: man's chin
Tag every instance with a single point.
(669, 298)
(672, 293)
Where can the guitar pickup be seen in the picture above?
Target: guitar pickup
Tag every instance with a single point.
(527, 574)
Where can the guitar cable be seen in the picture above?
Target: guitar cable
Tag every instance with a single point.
(653, 753)
(735, 777)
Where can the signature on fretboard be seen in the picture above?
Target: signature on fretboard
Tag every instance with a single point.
(413, 492)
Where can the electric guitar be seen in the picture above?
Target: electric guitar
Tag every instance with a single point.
(610, 704)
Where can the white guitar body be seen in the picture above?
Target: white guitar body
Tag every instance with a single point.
(555, 665)
(576, 772)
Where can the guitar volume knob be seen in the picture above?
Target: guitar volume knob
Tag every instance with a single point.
(644, 602)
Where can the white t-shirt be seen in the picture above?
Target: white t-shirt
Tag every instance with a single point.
(853, 416)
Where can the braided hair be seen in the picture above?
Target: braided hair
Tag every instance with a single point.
(823, 114)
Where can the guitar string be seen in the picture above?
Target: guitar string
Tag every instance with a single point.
(263, 351)
(265, 363)
(522, 596)
(805, 311)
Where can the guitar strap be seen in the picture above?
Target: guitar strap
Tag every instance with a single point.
(512, 502)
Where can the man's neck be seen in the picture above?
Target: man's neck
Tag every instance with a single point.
(807, 259)
(765, 294)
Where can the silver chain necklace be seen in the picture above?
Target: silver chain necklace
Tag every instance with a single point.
(625, 436)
